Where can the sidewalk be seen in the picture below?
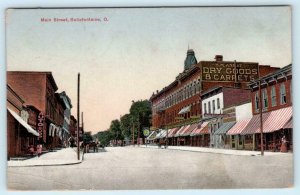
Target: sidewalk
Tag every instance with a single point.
(65, 156)
(218, 150)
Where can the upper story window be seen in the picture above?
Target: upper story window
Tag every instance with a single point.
(209, 108)
(218, 103)
(265, 98)
(214, 106)
(205, 109)
(282, 94)
(256, 101)
(273, 96)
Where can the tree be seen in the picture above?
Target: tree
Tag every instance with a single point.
(115, 130)
(140, 112)
(104, 137)
(126, 125)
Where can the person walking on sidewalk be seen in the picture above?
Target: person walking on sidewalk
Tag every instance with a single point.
(39, 149)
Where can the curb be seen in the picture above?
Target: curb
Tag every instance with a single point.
(216, 152)
(47, 164)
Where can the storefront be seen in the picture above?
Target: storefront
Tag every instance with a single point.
(200, 135)
(237, 141)
(20, 135)
(274, 129)
(221, 140)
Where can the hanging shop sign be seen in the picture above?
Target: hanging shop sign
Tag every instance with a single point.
(40, 125)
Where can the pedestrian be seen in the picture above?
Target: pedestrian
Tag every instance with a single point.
(283, 147)
(39, 149)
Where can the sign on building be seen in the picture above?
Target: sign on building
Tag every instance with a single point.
(40, 126)
(229, 71)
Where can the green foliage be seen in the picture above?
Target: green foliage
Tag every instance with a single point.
(87, 137)
(138, 118)
(104, 137)
(126, 125)
(115, 130)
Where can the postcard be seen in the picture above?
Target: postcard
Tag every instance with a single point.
(149, 98)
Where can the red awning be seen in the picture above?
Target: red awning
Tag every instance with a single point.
(238, 127)
(172, 132)
(187, 131)
(202, 128)
(181, 130)
(272, 121)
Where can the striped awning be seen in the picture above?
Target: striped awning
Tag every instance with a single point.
(172, 132)
(188, 131)
(181, 130)
(289, 124)
(151, 136)
(202, 128)
(224, 128)
(238, 127)
(161, 134)
(272, 121)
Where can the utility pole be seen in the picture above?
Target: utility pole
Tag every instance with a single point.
(78, 114)
(260, 118)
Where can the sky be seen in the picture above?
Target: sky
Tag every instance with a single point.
(137, 51)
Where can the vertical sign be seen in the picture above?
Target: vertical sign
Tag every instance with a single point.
(40, 125)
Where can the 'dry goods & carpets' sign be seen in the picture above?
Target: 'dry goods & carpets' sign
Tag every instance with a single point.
(229, 71)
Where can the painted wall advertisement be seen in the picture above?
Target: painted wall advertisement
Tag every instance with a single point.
(229, 71)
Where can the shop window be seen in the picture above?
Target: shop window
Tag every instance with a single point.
(273, 96)
(265, 98)
(282, 94)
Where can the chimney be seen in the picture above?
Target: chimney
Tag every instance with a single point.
(219, 58)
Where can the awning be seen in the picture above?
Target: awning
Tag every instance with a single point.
(181, 130)
(224, 128)
(161, 134)
(188, 131)
(272, 121)
(238, 127)
(289, 124)
(151, 136)
(185, 110)
(172, 132)
(202, 128)
(23, 123)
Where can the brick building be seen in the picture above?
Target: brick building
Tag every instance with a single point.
(38, 89)
(218, 114)
(179, 103)
(276, 96)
